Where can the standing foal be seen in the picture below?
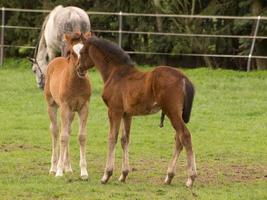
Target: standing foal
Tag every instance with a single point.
(69, 89)
(129, 92)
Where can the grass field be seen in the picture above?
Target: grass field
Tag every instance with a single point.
(228, 125)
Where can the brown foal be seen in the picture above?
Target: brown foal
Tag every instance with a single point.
(129, 92)
(68, 88)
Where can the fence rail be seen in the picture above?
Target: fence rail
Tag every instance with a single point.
(120, 32)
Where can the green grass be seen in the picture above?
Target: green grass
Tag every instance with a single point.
(228, 125)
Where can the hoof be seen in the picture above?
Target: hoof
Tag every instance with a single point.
(169, 178)
(59, 173)
(68, 169)
(122, 178)
(84, 174)
(106, 177)
(190, 181)
(84, 177)
(52, 172)
(104, 180)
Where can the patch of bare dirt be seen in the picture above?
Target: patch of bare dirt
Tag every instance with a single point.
(231, 173)
(216, 173)
(15, 147)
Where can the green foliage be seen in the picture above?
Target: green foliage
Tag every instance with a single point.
(228, 127)
(155, 43)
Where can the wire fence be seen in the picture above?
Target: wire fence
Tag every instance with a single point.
(120, 32)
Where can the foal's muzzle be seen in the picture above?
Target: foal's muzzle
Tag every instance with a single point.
(81, 73)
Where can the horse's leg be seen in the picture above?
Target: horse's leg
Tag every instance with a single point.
(66, 116)
(83, 114)
(124, 144)
(182, 139)
(67, 164)
(114, 121)
(185, 139)
(52, 112)
(172, 166)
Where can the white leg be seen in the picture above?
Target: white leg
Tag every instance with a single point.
(66, 116)
(83, 114)
(125, 139)
(191, 163)
(172, 166)
(183, 139)
(52, 112)
(114, 120)
(67, 163)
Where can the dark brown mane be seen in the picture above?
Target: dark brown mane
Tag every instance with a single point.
(112, 51)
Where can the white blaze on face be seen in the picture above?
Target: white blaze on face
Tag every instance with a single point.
(77, 48)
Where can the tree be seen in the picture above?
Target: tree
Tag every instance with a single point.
(157, 43)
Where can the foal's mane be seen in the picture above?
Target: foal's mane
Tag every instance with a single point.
(112, 51)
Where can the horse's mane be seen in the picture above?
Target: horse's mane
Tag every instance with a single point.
(41, 35)
(112, 51)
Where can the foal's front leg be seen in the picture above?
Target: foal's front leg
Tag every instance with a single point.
(52, 112)
(125, 139)
(66, 117)
(67, 164)
(114, 122)
(83, 115)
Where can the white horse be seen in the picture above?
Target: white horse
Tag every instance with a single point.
(60, 20)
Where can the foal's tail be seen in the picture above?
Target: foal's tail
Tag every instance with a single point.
(189, 91)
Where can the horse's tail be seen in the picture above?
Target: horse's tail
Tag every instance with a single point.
(189, 93)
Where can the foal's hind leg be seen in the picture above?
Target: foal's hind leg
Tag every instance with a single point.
(172, 166)
(83, 114)
(191, 163)
(124, 144)
(114, 122)
(52, 112)
(183, 137)
(66, 117)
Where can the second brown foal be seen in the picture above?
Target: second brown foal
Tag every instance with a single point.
(68, 88)
(129, 92)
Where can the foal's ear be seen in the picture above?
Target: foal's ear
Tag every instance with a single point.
(87, 35)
